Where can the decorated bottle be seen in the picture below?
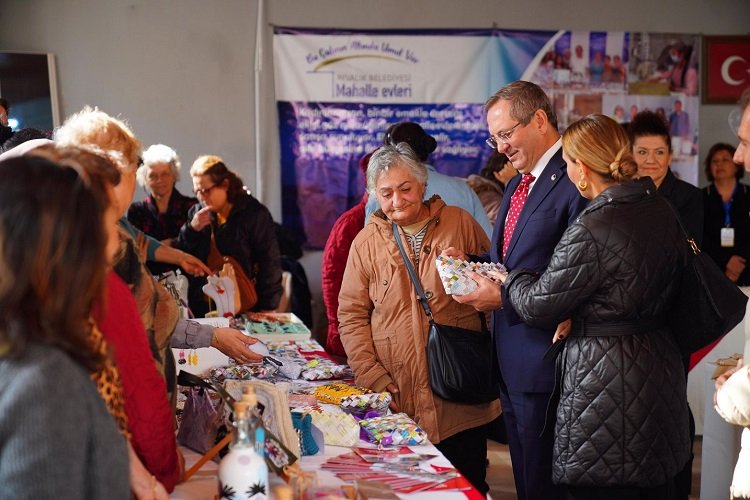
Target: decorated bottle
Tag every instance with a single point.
(255, 421)
(243, 473)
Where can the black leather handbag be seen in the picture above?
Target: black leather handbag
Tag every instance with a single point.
(708, 304)
(462, 366)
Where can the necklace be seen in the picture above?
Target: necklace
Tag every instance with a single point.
(221, 290)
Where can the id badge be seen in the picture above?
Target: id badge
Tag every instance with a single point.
(727, 236)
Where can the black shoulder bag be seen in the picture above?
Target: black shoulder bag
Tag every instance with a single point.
(461, 361)
(708, 304)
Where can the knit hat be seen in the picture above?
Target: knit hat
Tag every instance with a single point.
(414, 135)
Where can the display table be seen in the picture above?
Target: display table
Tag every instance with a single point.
(204, 484)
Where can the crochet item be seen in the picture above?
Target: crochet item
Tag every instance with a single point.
(243, 372)
(361, 404)
(454, 278)
(303, 426)
(339, 429)
(335, 393)
(323, 369)
(392, 430)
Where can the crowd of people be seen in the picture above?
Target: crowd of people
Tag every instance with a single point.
(584, 222)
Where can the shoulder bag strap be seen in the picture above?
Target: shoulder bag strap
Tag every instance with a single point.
(412, 273)
(691, 242)
(418, 284)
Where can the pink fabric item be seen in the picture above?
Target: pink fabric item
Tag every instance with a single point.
(517, 201)
(150, 418)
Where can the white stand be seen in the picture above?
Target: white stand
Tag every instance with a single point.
(221, 291)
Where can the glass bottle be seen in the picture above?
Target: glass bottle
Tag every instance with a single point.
(254, 418)
(243, 473)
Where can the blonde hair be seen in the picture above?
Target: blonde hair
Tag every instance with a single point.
(602, 145)
(216, 170)
(93, 127)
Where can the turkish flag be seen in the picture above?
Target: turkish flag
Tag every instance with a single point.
(728, 68)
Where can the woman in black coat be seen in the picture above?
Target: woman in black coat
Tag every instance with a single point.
(241, 226)
(622, 420)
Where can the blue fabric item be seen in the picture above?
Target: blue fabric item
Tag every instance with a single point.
(303, 425)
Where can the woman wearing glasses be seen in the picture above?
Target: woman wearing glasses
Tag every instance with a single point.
(240, 225)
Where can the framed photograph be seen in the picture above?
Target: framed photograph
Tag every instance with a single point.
(726, 68)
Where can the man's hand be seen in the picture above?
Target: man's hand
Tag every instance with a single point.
(201, 219)
(454, 253)
(235, 344)
(735, 267)
(485, 298)
(721, 379)
(562, 331)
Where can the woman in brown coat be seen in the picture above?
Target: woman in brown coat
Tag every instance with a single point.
(384, 328)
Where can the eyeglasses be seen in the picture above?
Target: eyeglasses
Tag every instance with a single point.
(503, 137)
(204, 191)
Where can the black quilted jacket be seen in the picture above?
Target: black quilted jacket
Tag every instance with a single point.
(622, 418)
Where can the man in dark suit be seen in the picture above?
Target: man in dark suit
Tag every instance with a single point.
(534, 213)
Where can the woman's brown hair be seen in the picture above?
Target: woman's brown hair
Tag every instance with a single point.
(52, 256)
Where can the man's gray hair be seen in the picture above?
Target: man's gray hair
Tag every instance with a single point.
(388, 156)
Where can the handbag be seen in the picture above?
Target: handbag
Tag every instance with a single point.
(246, 286)
(461, 362)
(204, 422)
(708, 304)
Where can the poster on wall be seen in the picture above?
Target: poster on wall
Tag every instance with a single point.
(338, 91)
(619, 74)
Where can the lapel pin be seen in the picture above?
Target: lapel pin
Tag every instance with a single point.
(554, 176)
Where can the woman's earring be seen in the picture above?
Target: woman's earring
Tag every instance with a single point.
(582, 184)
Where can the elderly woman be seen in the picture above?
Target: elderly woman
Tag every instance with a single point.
(240, 226)
(383, 327)
(57, 439)
(726, 205)
(163, 212)
(622, 419)
(156, 310)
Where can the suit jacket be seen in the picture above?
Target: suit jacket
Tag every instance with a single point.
(552, 205)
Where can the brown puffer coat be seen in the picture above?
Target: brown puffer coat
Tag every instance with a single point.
(384, 329)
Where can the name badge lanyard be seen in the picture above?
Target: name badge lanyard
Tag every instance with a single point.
(727, 232)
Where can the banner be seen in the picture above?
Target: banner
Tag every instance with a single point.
(338, 91)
